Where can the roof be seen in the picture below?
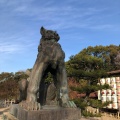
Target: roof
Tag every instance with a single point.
(114, 72)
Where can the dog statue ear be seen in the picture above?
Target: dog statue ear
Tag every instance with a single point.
(42, 30)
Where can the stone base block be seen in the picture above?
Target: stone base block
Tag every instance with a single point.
(47, 113)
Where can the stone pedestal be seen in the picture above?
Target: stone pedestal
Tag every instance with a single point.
(46, 113)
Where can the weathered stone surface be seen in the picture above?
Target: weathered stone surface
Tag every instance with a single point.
(50, 58)
(23, 84)
(46, 113)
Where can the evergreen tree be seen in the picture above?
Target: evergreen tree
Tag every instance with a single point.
(92, 62)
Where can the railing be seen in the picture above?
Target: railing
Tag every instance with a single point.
(7, 103)
(105, 115)
(111, 115)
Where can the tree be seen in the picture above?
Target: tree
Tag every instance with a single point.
(87, 101)
(6, 75)
(117, 61)
(20, 75)
(92, 62)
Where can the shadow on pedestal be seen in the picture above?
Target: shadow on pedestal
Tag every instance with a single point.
(46, 113)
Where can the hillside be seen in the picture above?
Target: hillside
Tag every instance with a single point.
(9, 84)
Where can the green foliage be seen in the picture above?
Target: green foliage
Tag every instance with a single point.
(117, 61)
(87, 89)
(93, 62)
(49, 78)
(98, 103)
(88, 114)
(80, 103)
(83, 82)
(90, 88)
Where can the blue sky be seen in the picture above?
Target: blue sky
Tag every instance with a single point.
(80, 23)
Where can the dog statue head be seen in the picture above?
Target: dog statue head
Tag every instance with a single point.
(49, 35)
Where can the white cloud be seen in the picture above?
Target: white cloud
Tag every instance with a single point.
(20, 21)
(15, 43)
(66, 16)
(10, 48)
